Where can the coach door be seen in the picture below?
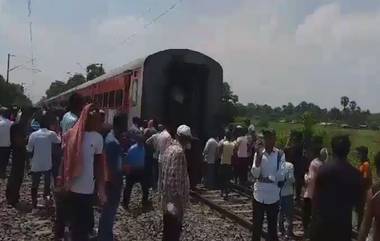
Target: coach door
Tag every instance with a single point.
(135, 90)
(185, 97)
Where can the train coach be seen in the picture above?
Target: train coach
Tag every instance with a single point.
(174, 86)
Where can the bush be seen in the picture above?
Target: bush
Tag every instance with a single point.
(282, 139)
(263, 123)
(374, 127)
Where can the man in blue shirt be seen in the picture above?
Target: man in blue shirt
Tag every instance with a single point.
(135, 169)
(114, 156)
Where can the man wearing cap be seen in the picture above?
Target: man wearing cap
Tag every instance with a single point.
(175, 185)
(269, 171)
(5, 140)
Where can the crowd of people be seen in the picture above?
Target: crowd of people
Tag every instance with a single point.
(89, 161)
(94, 163)
(327, 187)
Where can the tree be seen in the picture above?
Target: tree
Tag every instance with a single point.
(228, 95)
(288, 109)
(228, 108)
(344, 101)
(334, 114)
(352, 105)
(12, 94)
(94, 70)
(308, 122)
(75, 80)
(56, 88)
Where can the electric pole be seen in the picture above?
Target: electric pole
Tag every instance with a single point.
(9, 57)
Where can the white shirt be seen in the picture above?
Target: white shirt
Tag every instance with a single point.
(68, 121)
(227, 152)
(163, 141)
(211, 151)
(40, 143)
(268, 193)
(92, 145)
(288, 188)
(242, 145)
(153, 141)
(5, 132)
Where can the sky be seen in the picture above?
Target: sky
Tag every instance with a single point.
(272, 51)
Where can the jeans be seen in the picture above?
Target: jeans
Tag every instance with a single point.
(109, 211)
(211, 176)
(136, 176)
(80, 207)
(36, 179)
(271, 210)
(16, 176)
(4, 160)
(172, 227)
(286, 212)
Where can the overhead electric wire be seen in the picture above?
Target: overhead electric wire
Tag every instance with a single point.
(154, 20)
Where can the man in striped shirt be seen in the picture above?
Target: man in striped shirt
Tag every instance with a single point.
(175, 184)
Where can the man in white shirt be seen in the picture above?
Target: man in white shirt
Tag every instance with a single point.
(76, 103)
(269, 171)
(286, 202)
(153, 142)
(5, 140)
(242, 144)
(69, 119)
(210, 154)
(40, 144)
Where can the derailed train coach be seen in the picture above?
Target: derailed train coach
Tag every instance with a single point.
(175, 86)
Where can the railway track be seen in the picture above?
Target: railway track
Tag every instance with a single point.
(238, 207)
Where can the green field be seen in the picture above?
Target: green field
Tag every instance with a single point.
(368, 138)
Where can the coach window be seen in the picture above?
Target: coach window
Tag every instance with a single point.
(119, 98)
(112, 99)
(98, 100)
(88, 99)
(105, 99)
(134, 92)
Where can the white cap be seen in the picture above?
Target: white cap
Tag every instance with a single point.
(184, 130)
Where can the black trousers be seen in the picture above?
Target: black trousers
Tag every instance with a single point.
(271, 211)
(16, 176)
(300, 182)
(172, 228)
(242, 166)
(225, 173)
(137, 176)
(80, 208)
(4, 160)
(155, 173)
(61, 215)
(36, 179)
(306, 219)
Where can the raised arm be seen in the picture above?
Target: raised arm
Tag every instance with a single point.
(256, 167)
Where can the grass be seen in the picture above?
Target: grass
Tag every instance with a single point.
(368, 138)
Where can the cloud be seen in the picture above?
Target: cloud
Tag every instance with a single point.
(267, 56)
